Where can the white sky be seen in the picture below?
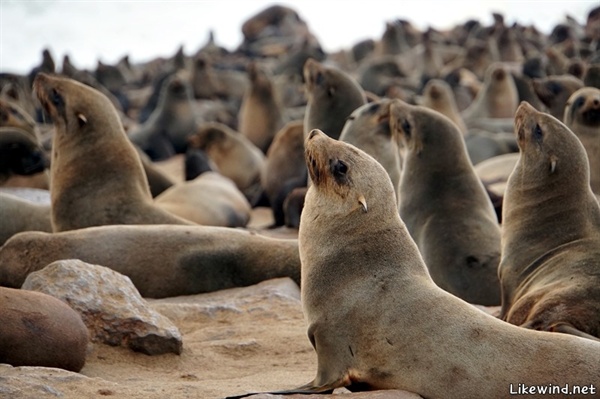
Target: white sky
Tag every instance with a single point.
(89, 30)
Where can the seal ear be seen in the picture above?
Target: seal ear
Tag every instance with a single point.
(553, 161)
(82, 120)
(363, 202)
(330, 91)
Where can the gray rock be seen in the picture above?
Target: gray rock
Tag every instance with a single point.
(110, 306)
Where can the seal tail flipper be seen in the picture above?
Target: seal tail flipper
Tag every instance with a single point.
(306, 389)
(566, 328)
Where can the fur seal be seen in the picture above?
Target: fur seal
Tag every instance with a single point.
(368, 128)
(260, 116)
(174, 119)
(445, 205)
(235, 156)
(378, 74)
(284, 168)
(211, 199)
(414, 335)
(274, 31)
(498, 98)
(40, 330)
(19, 215)
(12, 115)
(21, 155)
(550, 281)
(96, 174)
(582, 116)
(332, 96)
(161, 260)
(554, 92)
(438, 96)
(225, 83)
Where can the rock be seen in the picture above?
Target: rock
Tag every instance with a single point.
(43, 382)
(110, 306)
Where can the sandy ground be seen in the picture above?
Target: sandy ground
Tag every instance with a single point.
(235, 341)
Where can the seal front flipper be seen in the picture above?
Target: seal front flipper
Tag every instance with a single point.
(306, 389)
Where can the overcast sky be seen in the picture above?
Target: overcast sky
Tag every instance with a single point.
(89, 30)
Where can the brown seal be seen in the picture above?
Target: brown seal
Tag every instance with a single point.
(161, 260)
(438, 96)
(260, 116)
(554, 92)
(174, 119)
(210, 199)
(368, 128)
(332, 96)
(40, 330)
(23, 161)
(284, 168)
(209, 82)
(96, 174)
(12, 115)
(551, 232)
(582, 116)
(498, 98)
(378, 321)
(445, 205)
(18, 214)
(233, 154)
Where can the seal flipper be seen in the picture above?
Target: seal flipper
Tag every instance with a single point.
(306, 389)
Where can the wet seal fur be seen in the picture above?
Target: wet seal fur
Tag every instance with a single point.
(378, 321)
(96, 174)
(445, 205)
(550, 266)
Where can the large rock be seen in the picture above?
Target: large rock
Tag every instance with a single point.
(110, 306)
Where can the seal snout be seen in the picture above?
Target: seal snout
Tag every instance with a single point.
(523, 113)
(313, 133)
(44, 91)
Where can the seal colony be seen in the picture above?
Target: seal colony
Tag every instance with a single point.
(371, 260)
(377, 316)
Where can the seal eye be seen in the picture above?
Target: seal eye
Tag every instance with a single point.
(538, 135)
(339, 168)
(579, 102)
(319, 79)
(56, 98)
(406, 127)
